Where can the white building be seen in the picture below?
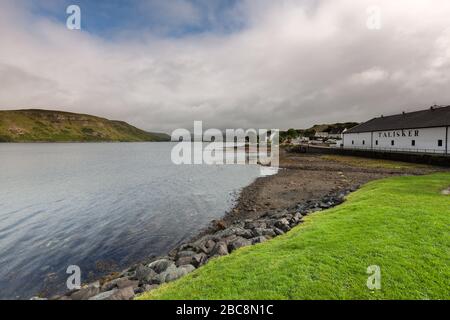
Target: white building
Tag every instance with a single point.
(424, 131)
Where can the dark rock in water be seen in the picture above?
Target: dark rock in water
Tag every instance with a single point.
(220, 249)
(115, 294)
(259, 239)
(161, 265)
(145, 274)
(239, 243)
(86, 292)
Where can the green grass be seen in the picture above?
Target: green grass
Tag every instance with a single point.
(373, 163)
(400, 224)
(57, 126)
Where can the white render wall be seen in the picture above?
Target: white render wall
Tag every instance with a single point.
(426, 140)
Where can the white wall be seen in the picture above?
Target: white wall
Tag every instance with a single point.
(357, 140)
(426, 140)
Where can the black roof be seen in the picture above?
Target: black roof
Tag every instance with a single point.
(432, 117)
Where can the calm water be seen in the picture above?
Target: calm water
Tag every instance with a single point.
(99, 206)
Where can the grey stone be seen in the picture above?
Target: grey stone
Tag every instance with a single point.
(283, 224)
(255, 225)
(161, 278)
(207, 246)
(259, 239)
(145, 274)
(183, 261)
(239, 243)
(220, 249)
(161, 265)
(173, 273)
(264, 232)
(86, 292)
(278, 232)
(183, 254)
(115, 294)
(233, 231)
(199, 259)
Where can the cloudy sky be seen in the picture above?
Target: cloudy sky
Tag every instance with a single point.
(161, 64)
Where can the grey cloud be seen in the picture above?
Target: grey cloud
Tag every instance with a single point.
(296, 63)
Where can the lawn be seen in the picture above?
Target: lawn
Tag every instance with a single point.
(400, 224)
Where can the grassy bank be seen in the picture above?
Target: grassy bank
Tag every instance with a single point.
(400, 224)
(58, 126)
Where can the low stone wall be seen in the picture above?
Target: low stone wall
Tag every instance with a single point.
(431, 159)
(186, 258)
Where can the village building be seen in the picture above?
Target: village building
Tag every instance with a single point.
(425, 131)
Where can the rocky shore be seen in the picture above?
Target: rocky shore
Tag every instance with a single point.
(186, 258)
(266, 209)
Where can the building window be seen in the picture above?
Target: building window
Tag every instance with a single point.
(364, 142)
(376, 142)
(413, 143)
(353, 141)
(440, 143)
(392, 143)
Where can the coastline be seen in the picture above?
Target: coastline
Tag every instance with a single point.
(268, 207)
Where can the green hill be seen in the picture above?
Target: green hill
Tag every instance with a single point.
(58, 126)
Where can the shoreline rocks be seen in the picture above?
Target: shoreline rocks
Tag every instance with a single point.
(189, 256)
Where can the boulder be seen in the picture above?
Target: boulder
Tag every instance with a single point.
(207, 246)
(278, 232)
(239, 243)
(115, 294)
(199, 259)
(264, 232)
(259, 239)
(86, 292)
(145, 274)
(220, 249)
(120, 283)
(183, 261)
(283, 224)
(173, 273)
(184, 254)
(161, 265)
(179, 272)
(255, 225)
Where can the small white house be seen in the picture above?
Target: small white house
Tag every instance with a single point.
(424, 131)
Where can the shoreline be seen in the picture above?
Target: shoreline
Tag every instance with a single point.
(267, 208)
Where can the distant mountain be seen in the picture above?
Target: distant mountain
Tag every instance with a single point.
(57, 126)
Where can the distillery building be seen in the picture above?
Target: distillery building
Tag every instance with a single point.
(425, 131)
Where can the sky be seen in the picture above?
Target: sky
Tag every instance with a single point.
(163, 64)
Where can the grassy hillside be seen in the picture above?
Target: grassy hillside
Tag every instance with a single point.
(399, 224)
(57, 126)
